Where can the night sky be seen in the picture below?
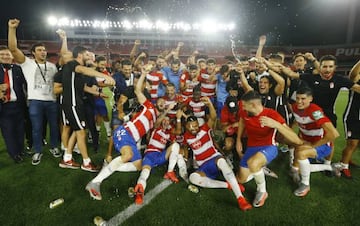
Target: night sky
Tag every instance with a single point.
(291, 22)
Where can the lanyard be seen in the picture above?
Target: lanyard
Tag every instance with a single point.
(43, 74)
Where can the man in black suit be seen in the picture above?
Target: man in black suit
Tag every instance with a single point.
(12, 104)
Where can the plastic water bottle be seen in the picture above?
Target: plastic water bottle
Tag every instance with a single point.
(56, 203)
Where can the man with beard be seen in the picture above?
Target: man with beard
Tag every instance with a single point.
(73, 105)
(209, 159)
(325, 86)
(261, 125)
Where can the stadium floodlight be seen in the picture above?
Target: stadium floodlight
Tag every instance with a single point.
(127, 25)
(163, 26)
(96, 24)
(63, 22)
(207, 26)
(210, 26)
(231, 26)
(104, 24)
(52, 20)
(145, 24)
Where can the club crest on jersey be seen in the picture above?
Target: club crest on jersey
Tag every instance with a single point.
(197, 145)
(317, 115)
(163, 140)
(332, 85)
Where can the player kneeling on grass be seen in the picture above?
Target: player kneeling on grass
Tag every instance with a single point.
(125, 138)
(209, 159)
(317, 131)
(156, 154)
(261, 125)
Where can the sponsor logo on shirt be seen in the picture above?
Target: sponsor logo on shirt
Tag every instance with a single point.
(317, 115)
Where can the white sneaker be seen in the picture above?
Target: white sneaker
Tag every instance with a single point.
(268, 172)
(36, 158)
(55, 152)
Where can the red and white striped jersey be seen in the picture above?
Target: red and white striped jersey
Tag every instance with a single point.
(155, 78)
(208, 85)
(198, 107)
(202, 144)
(189, 84)
(158, 140)
(310, 121)
(142, 122)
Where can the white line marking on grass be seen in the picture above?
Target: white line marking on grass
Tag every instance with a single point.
(133, 208)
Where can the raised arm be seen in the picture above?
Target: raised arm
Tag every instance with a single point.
(280, 83)
(212, 112)
(19, 56)
(139, 85)
(289, 72)
(93, 73)
(355, 71)
(177, 50)
(262, 41)
(64, 47)
(244, 82)
(310, 57)
(134, 50)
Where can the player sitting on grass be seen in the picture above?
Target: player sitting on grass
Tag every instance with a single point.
(156, 154)
(210, 161)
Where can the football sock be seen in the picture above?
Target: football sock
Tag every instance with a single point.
(319, 167)
(305, 171)
(144, 175)
(107, 128)
(67, 157)
(86, 161)
(181, 163)
(291, 155)
(259, 178)
(249, 178)
(344, 166)
(127, 167)
(108, 170)
(175, 147)
(229, 176)
(98, 128)
(206, 182)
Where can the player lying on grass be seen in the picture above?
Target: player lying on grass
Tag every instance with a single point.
(125, 138)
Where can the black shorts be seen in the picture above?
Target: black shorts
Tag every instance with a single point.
(352, 129)
(75, 117)
(284, 111)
